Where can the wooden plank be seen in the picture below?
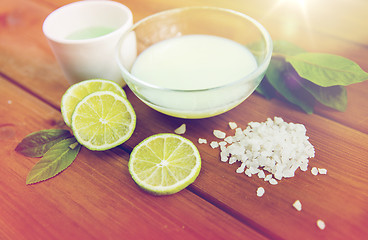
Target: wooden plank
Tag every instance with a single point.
(26, 57)
(286, 17)
(339, 198)
(95, 198)
(25, 54)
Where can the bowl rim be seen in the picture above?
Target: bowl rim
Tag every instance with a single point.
(58, 13)
(258, 71)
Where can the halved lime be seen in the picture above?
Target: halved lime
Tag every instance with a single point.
(164, 164)
(103, 120)
(78, 91)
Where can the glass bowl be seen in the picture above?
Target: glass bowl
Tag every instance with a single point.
(202, 101)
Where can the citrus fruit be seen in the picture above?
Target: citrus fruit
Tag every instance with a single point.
(103, 120)
(78, 91)
(164, 164)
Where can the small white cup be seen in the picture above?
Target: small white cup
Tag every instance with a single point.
(89, 56)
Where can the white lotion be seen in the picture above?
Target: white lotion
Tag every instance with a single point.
(195, 62)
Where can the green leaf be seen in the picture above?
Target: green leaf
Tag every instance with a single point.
(55, 160)
(266, 89)
(334, 97)
(327, 70)
(38, 143)
(282, 77)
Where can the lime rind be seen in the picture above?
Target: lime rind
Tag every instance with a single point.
(173, 177)
(78, 91)
(91, 121)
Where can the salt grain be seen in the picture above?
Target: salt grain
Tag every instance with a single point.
(297, 205)
(273, 181)
(222, 143)
(232, 160)
(214, 144)
(321, 224)
(181, 130)
(224, 156)
(233, 125)
(241, 168)
(261, 174)
(322, 171)
(260, 191)
(202, 141)
(229, 139)
(274, 146)
(304, 166)
(268, 177)
(314, 171)
(219, 134)
(247, 172)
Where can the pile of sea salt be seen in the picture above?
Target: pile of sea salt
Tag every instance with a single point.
(273, 149)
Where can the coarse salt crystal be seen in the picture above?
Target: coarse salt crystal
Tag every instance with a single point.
(275, 146)
(314, 171)
(273, 181)
(260, 191)
(10, 101)
(214, 144)
(224, 156)
(261, 174)
(268, 177)
(233, 125)
(297, 205)
(254, 170)
(288, 174)
(241, 168)
(239, 132)
(202, 141)
(321, 224)
(247, 172)
(181, 130)
(219, 134)
(322, 171)
(304, 167)
(229, 139)
(232, 160)
(222, 143)
(223, 149)
(278, 175)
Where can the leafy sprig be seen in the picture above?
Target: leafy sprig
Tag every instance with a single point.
(304, 78)
(57, 147)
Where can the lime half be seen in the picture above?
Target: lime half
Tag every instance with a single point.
(103, 120)
(78, 91)
(164, 164)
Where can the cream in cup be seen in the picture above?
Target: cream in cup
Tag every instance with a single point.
(195, 62)
(83, 37)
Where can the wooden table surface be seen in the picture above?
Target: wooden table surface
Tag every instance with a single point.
(95, 198)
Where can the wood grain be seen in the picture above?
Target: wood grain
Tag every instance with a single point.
(339, 149)
(95, 198)
(27, 58)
